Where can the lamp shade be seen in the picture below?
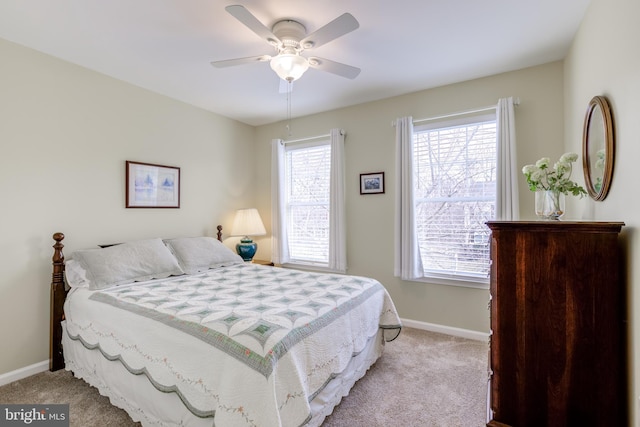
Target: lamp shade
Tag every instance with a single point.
(289, 66)
(248, 223)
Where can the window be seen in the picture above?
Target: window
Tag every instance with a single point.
(454, 195)
(307, 202)
(307, 191)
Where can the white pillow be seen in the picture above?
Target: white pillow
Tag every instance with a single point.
(75, 275)
(198, 254)
(127, 263)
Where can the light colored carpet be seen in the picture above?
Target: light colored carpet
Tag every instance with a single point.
(423, 379)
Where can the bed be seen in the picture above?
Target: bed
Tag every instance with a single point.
(183, 332)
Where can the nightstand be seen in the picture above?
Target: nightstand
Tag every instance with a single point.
(262, 262)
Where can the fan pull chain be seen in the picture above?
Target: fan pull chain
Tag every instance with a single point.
(289, 94)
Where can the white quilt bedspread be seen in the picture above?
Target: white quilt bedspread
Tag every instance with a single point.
(244, 345)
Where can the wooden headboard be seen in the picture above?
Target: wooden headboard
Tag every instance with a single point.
(58, 296)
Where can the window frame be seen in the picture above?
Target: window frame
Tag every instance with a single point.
(305, 264)
(465, 119)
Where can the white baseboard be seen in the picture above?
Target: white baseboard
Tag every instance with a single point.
(25, 372)
(448, 330)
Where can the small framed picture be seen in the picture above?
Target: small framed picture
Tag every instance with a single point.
(152, 186)
(372, 183)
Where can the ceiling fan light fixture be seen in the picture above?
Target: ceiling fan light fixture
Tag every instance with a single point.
(290, 39)
(289, 66)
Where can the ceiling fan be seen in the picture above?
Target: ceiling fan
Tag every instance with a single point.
(290, 39)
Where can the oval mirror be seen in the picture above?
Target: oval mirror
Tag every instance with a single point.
(598, 148)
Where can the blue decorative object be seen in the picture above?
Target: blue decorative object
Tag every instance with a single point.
(246, 248)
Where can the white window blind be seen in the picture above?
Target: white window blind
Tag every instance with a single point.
(455, 194)
(307, 176)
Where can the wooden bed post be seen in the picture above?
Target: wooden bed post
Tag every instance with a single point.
(219, 233)
(58, 295)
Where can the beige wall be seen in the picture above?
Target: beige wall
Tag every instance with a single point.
(605, 60)
(369, 147)
(65, 133)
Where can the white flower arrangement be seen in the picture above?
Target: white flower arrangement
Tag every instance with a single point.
(558, 179)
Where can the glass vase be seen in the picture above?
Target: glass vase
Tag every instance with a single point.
(549, 204)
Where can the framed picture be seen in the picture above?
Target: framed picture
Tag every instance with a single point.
(152, 186)
(372, 183)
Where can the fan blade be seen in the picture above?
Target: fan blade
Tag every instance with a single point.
(340, 26)
(240, 61)
(243, 15)
(334, 67)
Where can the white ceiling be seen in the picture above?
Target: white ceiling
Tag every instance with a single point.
(166, 46)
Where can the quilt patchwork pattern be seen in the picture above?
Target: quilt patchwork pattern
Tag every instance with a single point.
(253, 313)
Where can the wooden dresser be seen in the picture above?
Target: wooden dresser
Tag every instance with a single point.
(558, 323)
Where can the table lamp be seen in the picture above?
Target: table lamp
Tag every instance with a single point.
(247, 223)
